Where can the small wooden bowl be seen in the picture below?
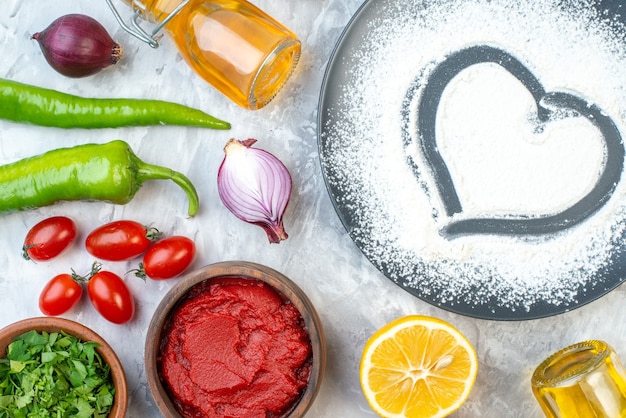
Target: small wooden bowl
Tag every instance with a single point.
(55, 324)
(236, 269)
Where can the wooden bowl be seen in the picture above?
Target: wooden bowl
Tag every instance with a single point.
(235, 269)
(56, 324)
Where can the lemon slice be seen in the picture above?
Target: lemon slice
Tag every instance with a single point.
(417, 366)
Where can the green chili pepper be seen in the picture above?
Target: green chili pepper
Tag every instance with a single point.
(45, 107)
(108, 172)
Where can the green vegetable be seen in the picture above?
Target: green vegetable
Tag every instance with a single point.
(54, 375)
(39, 106)
(108, 172)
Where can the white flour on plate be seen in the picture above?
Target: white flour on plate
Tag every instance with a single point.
(501, 163)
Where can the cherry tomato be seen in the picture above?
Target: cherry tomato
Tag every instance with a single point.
(168, 257)
(49, 238)
(120, 240)
(60, 295)
(111, 297)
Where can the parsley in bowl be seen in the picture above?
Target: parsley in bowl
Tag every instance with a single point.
(57, 367)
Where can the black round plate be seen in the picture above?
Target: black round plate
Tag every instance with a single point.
(346, 149)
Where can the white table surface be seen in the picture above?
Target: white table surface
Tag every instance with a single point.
(351, 296)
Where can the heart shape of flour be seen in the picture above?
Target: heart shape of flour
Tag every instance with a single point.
(547, 104)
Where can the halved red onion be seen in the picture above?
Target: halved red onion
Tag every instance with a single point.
(255, 186)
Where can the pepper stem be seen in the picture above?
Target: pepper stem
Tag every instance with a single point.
(146, 171)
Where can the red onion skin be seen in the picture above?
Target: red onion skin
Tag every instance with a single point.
(77, 45)
(262, 203)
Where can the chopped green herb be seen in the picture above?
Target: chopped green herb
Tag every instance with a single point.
(54, 375)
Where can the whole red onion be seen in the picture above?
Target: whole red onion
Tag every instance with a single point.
(77, 45)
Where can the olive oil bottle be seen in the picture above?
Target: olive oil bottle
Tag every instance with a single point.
(232, 44)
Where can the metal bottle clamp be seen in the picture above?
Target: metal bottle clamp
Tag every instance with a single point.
(136, 30)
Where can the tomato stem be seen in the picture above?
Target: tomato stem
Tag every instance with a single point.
(153, 234)
(25, 249)
(140, 272)
(95, 268)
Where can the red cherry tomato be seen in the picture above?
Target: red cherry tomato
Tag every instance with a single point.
(120, 240)
(49, 238)
(60, 295)
(168, 257)
(111, 297)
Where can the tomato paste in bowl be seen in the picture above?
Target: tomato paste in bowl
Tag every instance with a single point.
(235, 339)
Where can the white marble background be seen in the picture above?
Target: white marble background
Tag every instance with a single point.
(352, 297)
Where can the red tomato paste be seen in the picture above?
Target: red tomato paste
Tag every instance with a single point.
(235, 348)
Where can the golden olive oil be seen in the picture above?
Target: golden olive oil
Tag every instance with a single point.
(232, 44)
(583, 380)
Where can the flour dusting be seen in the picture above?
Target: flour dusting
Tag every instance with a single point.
(502, 160)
